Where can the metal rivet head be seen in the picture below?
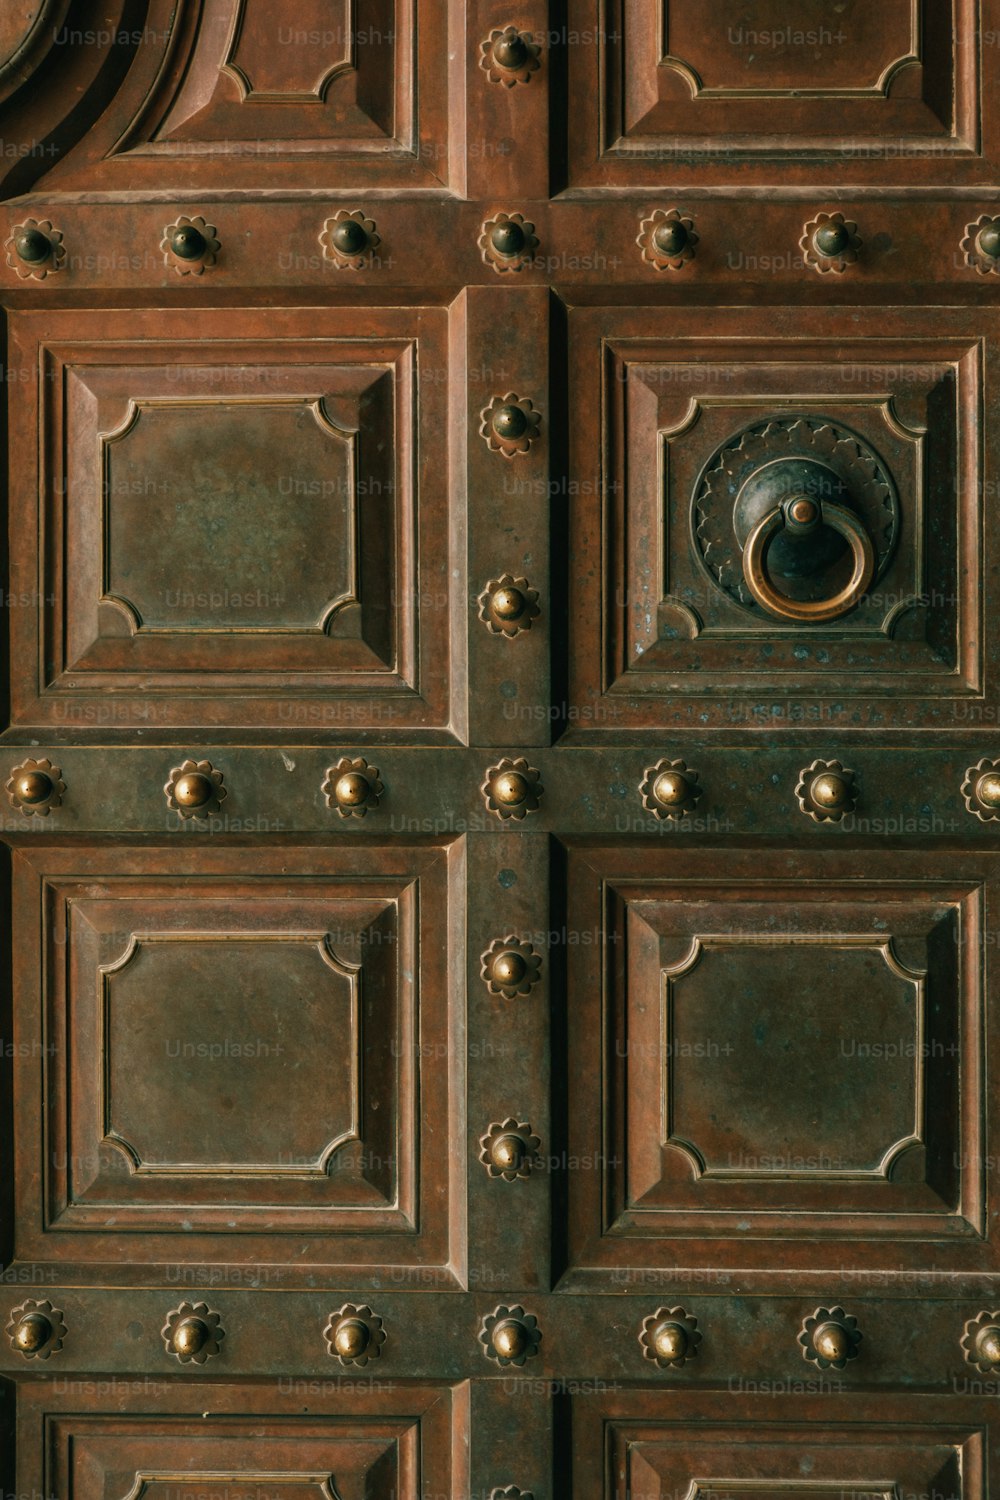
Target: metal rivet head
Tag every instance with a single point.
(988, 240)
(187, 242)
(988, 789)
(830, 790)
(803, 511)
(832, 238)
(349, 237)
(988, 1345)
(193, 789)
(670, 237)
(829, 1337)
(831, 1342)
(508, 968)
(507, 1152)
(507, 238)
(32, 1332)
(510, 788)
(351, 1338)
(32, 246)
(510, 1339)
(351, 789)
(670, 1341)
(508, 603)
(34, 786)
(670, 788)
(510, 422)
(190, 1336)
(510, 50)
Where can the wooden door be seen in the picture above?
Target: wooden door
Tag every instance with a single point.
(501, 749)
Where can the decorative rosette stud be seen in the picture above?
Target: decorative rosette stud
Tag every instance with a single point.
(195, 789)
(352, 787)
(830, 243)
(349, 240)
(508, 605)
(354, 1335)
(509, 425)
(509, 56)
(669, 1337)
(34, 248)
(193, 1333)
(826, 791)
(36, 1329)
(508, 1148)
(830, 1337)
(512, 788)
(981, 245)
(667, 239)
(510, 967)
(981, 790)
(35, 786)
(190, 246)
(670, 789)
(510, 1335)
(508, 242)
(981, 1342)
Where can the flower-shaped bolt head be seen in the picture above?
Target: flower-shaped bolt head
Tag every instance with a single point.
(194, 789)
(35, 787)
(349, 240)
(510, 967)
(508, 1149)
(508, 242)
(826, 791)
(981, 245)
(512, 788)
(509, 56)
(670, 789)
(508, 605)
(190, 246)
(510, 1335)
(354, 1335)
(669, 1337)
(193, 1333)
(352, 786)
(830, 1337)
(509, 425)
(36, 1329)
(830, 243)
(667, 239)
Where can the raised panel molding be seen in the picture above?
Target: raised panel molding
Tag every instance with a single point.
(681, 92)
(234, 530)
(790, 1059)
(267, 1039)
(217, 1437)
(663, 626)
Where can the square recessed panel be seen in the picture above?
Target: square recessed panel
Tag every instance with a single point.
(231, 531)
(224, 1440)
(680, 88)
(702, 444)
(246, 93)
(654, 1445)
(263, 1038)
(789, 1050)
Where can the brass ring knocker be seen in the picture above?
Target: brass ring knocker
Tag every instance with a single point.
(801, 514)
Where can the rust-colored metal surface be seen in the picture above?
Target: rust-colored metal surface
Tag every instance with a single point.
(502, 750)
